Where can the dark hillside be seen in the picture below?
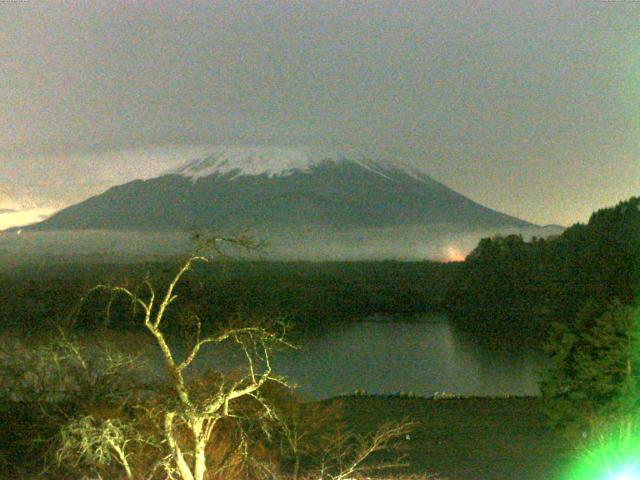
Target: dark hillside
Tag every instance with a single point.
(520, 288)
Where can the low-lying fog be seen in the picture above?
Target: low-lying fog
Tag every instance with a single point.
(437, 242)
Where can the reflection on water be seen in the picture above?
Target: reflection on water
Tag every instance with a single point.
(388, 357)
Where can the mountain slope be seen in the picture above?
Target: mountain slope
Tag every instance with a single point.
(271, 188)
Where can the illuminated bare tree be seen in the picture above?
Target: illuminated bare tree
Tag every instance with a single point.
(199, 412)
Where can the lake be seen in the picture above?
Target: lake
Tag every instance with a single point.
(385, 357)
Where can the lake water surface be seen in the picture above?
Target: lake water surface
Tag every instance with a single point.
(384, 357)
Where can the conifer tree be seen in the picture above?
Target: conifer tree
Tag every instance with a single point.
(592, 382)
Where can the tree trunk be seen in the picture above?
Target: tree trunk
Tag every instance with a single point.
(183, 468)
(200, 442)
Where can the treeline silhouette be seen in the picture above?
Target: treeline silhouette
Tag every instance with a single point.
(307, 294)
(509, 288)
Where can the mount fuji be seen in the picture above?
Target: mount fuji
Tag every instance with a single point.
(253, 187)
(301, 197)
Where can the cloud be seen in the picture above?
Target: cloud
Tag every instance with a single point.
(24, 217)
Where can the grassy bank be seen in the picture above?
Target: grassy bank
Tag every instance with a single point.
(468, 438)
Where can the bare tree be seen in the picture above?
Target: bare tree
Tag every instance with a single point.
(199, 412)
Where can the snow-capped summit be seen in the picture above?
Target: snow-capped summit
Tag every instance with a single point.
(272, 161)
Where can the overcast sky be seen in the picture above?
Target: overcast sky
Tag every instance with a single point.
(531, 107)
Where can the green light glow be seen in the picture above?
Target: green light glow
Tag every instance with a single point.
(627, 475)
(615, 456)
